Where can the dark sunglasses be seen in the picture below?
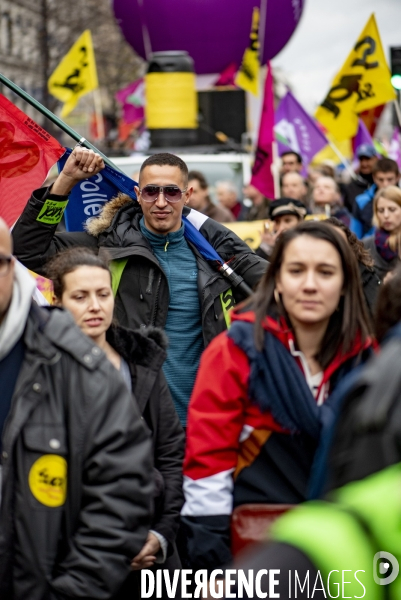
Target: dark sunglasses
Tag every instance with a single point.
(171, 193)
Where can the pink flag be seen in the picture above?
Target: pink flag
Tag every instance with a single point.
(262, 177)
(395, 147)
(132, 99)
(227, 76)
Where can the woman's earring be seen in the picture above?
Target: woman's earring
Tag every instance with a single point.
(276, 296)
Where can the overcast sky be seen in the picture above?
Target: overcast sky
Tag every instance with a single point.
(324, 37)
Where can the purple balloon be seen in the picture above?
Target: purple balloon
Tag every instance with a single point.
(214, 32)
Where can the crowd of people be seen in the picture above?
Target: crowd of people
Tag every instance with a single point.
(369, 213)
(154, 402)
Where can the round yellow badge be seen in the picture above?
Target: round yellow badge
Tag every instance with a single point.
(48, 480)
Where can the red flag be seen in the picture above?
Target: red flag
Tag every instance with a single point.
(262, 177)
(27, 152)
(371, 117)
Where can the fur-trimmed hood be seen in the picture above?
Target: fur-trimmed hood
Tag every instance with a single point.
(98, 225)
(144, 351)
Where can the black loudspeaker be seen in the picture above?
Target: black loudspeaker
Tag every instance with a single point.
(221, 110)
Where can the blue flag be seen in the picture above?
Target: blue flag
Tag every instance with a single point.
(89, 196)
(192, 234)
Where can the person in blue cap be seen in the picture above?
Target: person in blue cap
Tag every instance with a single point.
(367, 158)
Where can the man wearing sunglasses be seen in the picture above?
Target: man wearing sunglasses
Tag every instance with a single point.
(159, 278)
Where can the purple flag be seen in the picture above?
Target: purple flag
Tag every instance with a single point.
(362, 136)
(132, 99)
(295, 130)
(395, 147)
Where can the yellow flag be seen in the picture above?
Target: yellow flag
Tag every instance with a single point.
(361, 84)
(327, 153)
(76, 75)
(248, 231)
(248, 75)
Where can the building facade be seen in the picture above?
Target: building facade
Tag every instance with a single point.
(20, 49)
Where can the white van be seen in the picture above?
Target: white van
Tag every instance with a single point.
(215, 167)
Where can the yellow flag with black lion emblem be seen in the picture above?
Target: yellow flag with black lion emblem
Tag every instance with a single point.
(76, 74)
(362, 83)
(248, 75)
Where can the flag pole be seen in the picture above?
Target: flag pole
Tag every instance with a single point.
(397, 111)
(343, 160)
(54, 119)
(262, 29)
(275, 169)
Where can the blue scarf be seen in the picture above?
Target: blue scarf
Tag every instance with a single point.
(277, 384)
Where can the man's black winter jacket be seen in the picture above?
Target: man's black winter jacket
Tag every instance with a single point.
(76, 470)
(142, 297)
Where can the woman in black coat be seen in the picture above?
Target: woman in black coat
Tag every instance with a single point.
(82, 284)
(144, 352)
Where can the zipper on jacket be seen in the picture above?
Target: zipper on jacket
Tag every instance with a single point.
(150, 281)
(156, 300)
(165, 247)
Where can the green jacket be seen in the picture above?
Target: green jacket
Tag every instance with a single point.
(342, 536)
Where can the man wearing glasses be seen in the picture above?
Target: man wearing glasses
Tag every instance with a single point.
(159, 278)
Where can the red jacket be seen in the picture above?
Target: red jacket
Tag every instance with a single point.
(235, 453)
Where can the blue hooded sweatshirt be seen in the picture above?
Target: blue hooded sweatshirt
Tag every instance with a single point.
(362, 213)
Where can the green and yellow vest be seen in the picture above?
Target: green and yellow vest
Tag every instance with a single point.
(345, 533)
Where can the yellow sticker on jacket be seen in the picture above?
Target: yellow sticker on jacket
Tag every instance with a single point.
(48, 480)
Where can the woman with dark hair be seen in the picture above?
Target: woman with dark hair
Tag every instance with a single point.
(264, 396)
(370, 279)
(82, 285)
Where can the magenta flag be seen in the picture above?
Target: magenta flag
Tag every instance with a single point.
(227, 76)
(395, 147)
(296, 130)
(132, 99)
(262, 177)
